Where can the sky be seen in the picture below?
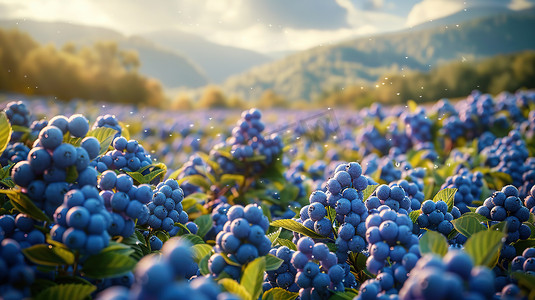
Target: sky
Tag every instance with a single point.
(264, 26)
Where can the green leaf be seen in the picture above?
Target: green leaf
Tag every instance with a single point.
(203, 265)
(468, 224)
(292, 225)
(521, 245)
(479, 217)
(274, 235)
(273, 262)
(266, 211)
(25, 205)
(342, 296)
(289, 193)
(232, 286)
(200, 251)
(155, 173)
(253, 277)
(197, 180)
(192, 238)
(105, 136)
(72, 174)
(279, 294)
(524, 279)
(18, 128)
(138, 177)
(230, 261)
(413, 215)
(48, 255)
(484, 247)
(287, 243)
(5, 131)
(231, 179)
(368, 191)
(447, 195)
(204, 223)
(499, 180)
(107, 264)
(72, 291)
(433, 242)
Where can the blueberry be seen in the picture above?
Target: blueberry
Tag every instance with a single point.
(60, 122)
(50, 137)
(22, 173)
(78, 125)
(92, 146)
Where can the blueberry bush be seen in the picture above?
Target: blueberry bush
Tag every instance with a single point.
(117, 202)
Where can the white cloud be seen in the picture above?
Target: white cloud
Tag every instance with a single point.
(521, 4)
(433, 9)
(261, 25)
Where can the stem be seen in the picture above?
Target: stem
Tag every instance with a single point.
(75, 267)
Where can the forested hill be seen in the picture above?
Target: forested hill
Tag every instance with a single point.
(307, 74)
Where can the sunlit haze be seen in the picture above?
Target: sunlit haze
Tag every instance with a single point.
(264, 25)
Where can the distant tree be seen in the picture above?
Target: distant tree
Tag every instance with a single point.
(182, 102)
(212, 97)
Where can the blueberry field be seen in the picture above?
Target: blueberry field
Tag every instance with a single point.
(109, 201)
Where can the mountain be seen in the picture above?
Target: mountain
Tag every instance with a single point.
(465, 16)
(218, 61)
(305, 75)
(172, 69)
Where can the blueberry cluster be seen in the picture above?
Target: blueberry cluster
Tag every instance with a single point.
(508, 155)
(344, 195)
(166, 207)
(125, 202)
(391, 278)
(36, 127)
(413, 192)
(21, 228)
(453, 277)
(486, 139)
(247, 141)
(197, 288)
(528, 178)
(191, 167)
(47, 173)
(247, 138)
(82, 221)
(318, 270)
(468, 187)
(127, 156)
(14, 153)
(155, 275)
(16, 276)
(428, 150)
(529, 201)
(244, 234)
(444, 108)
(525, 262)
(109, 121)
(477, 112)
(284, 276)
(17, 114)
(435, 216)
(505, 205)
(219, 218)
(390, 236)
(398, 138)
(453, 128)
(372, 140)
(418, 126)
(392, 196)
